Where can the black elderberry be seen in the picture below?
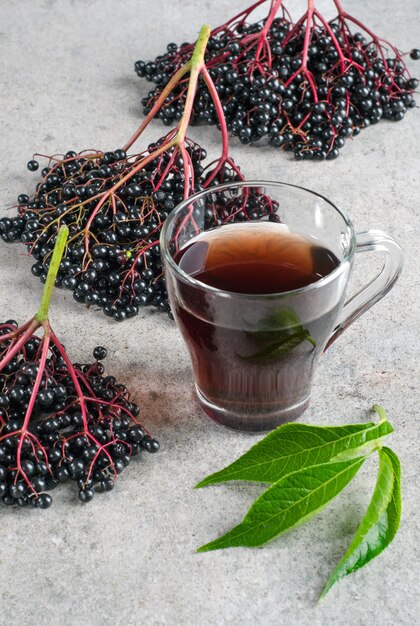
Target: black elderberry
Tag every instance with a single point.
(84, 483)
(17, 490)
(126, 459)
(17, 394)
(89, 453)
(107, 484)
(86, 495)
(54, 455)
(150, 445)
(45, 397)
(65, 420)
(125, 421)
(39, 483)
(76, 468)
(43, 501)
(119, 466)
(135, 434)
(77, 418)
(28, 467)
(33, 165)
(99, 353)
(41, 468)
(62, 474)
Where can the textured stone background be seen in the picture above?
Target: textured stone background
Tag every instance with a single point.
(67, 83)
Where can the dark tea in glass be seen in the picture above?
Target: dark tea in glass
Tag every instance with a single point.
(258, 300)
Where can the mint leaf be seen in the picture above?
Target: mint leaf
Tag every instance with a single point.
(292, 500)
(380, 522)
(295, 446)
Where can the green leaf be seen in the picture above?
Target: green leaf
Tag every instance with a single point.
(292, 500)
(281, 347)
(380, 522)
(281, 332)
(294, 446)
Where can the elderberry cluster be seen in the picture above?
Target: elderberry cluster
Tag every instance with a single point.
(58, 446)
(309, 110)
(121, 269)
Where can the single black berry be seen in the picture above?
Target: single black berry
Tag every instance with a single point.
(33, 165)
(99, 353)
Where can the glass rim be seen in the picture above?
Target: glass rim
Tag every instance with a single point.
(187, 278)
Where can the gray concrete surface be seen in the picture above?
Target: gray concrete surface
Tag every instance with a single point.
(67, 83)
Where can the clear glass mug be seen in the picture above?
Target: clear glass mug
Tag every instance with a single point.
(238, 392)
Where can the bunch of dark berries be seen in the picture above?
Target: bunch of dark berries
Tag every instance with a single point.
(305, 86)
(60, 421)
(114, 206)
(112, 260)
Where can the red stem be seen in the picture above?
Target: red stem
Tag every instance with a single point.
(80, 395)
(166, 171)
(73, 376)
(188, 171)
(33, 325)
(334, 39)
(273, 11)
(375, 39)
(338, 5)
(28, 414)
(16, 332)
(242, 14)
(223, 127)
(162, 97)
(294, 29)
(308, 31)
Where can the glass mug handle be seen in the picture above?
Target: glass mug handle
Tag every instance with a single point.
(371, 240)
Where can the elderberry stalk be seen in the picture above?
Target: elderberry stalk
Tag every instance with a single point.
(60, 421)
(306, 86)
(114, 205)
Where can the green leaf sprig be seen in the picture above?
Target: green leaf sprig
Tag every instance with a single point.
(307, 466)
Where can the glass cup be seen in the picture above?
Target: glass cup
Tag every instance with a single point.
(223, 330)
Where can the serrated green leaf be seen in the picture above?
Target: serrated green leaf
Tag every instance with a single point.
(292, 500)
(294, 446)
(380, 522)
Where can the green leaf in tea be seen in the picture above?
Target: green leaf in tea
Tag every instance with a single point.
(294, 446)
(281, 333)
(292, 500)
(380, 523)
(280, 347)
